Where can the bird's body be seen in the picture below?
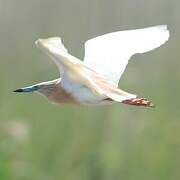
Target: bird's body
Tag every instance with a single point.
(95, 81)
(79, 96)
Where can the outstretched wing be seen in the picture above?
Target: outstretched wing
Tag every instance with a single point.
(109, 54)
(55, 49)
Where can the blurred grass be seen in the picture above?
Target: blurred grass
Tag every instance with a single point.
(39, 140)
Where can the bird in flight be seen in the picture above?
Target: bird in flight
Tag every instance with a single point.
(95, 81)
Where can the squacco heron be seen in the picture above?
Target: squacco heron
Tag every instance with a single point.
(95, 81)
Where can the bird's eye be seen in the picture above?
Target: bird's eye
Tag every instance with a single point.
(35, 87)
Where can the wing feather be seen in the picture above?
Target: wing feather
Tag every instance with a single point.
(109, 54)
(55, 49)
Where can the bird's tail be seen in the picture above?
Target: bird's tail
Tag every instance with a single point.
(27, 89)
(138, 102)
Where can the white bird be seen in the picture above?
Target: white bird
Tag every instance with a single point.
(95, 81)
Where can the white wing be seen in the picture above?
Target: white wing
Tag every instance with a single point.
(109, 54)
(55, 49)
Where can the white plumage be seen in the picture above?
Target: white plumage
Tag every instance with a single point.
(109, 54)
(95, 80)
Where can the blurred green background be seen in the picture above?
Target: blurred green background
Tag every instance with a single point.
(42, 141)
